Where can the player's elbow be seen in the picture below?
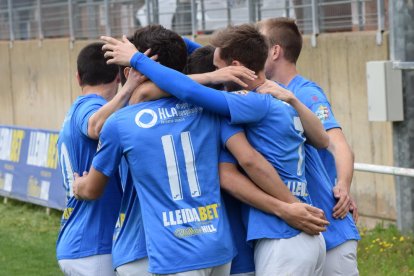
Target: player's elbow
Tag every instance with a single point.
(226, 179)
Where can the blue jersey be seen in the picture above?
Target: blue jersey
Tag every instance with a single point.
(129, 237)
(87, 226)
(272, 127)
(172, 149)
(244, 261)
(320, 182)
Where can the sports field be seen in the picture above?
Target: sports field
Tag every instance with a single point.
(28, 235)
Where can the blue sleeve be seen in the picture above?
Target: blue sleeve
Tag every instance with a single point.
(109, 152)
(227, 131)
(84, 111)
(227, 157)
(181, 86)
(316, 101)
(248, 107)
(191, 45)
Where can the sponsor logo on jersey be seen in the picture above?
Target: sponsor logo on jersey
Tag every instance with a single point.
(240, 92)
(322, 113)
(201, 216)
(148, 118)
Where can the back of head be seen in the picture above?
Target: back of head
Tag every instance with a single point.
(92, 67)
(201, 61)
(168, 45)
(283, 31)
(243, 43)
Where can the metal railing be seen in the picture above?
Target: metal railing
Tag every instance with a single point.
(79, 19)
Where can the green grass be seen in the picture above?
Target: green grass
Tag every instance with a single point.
(28, 238)
(384, 251)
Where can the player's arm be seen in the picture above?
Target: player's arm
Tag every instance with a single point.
(191, 45)
(234, 74)
(97, 120)
(89, 186)
(171, 81)
(258, 168)
(313, 128)
(298, 215)
(344, 163)
(149, 91)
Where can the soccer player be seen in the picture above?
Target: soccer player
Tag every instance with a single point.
(172, 150)
(329, 190)
(85, 239)
(272, 129)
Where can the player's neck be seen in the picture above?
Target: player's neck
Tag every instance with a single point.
(284, 72)
(253, 84)
(106, 91)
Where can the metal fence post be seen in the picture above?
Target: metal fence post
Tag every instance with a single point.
(228, 6)
(107, 23)
(252, 11)
(71, 29)
(203, 16)
(11, 30)
(315, 22)
(148, 6)
(155, 12)
(401, 36)
(360, 15)
(193, 19)
(40, 27)
(380, 21)
(287, 8)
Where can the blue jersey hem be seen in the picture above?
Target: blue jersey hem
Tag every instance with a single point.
(84, 254)
(273, 236)
(192, 267)
(123, 261)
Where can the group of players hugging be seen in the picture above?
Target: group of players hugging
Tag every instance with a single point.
(215, 160)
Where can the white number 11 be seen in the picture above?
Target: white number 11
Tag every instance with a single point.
(173, 170)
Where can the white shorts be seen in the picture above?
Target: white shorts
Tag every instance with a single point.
(342, 260)
(138, 267)
(221, 270)
(244, 274)
(300, 255)
(97, 265)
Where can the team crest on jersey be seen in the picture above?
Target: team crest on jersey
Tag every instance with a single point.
(240, 92)
(322, 113)
(146, 118)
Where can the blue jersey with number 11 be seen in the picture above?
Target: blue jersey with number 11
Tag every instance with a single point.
(172, 149)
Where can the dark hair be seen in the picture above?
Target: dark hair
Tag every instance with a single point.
(201, 61)
(243, 43)
(168, 45)
(92, 67)
(284, 32)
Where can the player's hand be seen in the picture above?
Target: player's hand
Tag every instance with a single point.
(234, 74)
(118, 52)
(343, 205)
(77, 183)
(274, 89)
(306, 218)
(354, 210)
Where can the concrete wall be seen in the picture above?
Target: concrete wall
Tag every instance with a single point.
(38, 84)
(338, 65)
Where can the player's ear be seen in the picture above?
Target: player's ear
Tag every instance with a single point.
(78, 78)
(276, 52)
(236, 63)
(126, 72)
